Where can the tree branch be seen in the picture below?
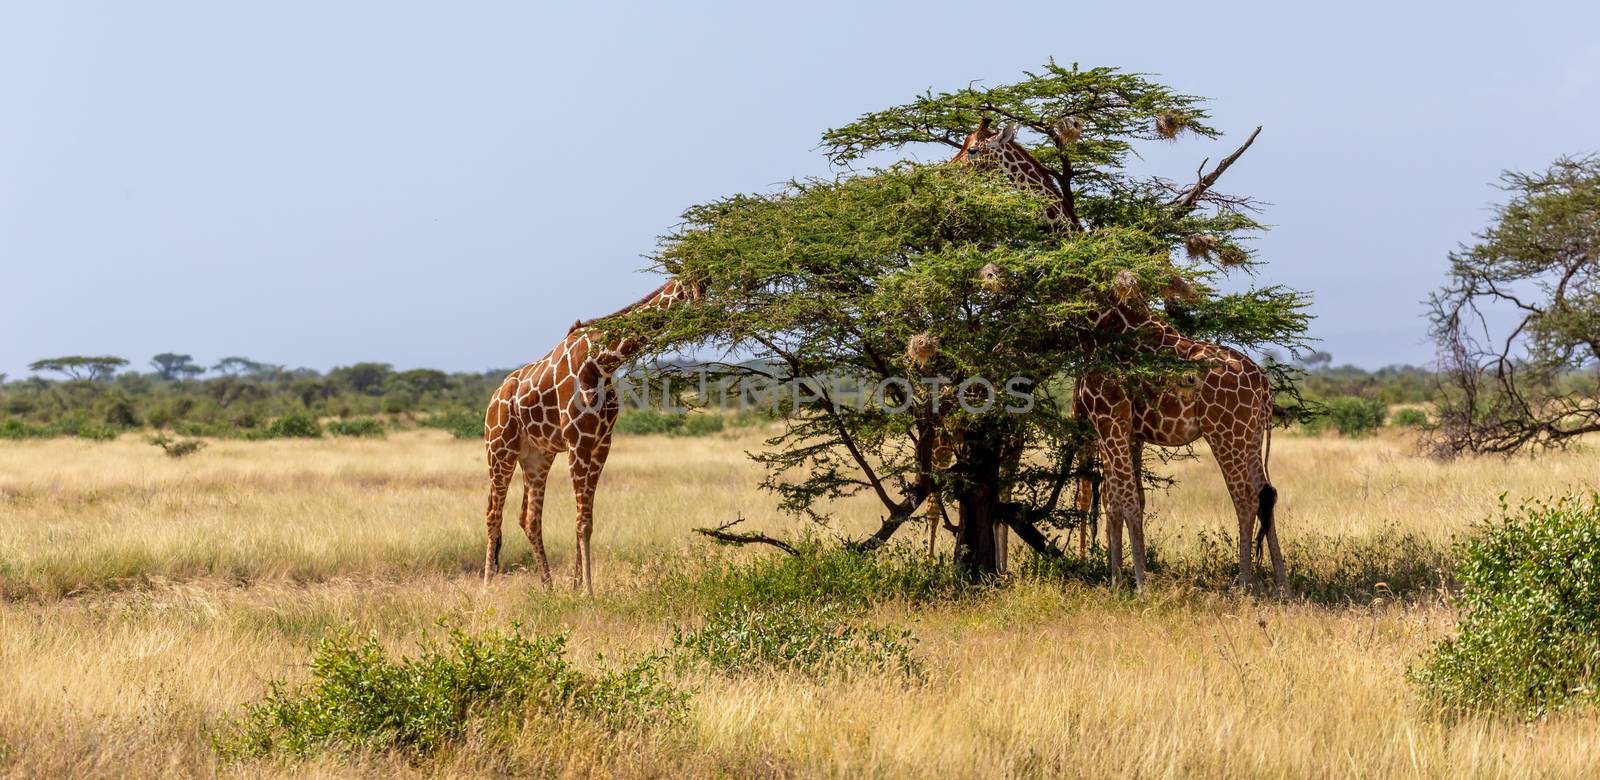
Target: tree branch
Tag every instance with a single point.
(1192, 195)
(723, 535)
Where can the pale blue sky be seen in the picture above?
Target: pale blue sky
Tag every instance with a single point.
(452, 184)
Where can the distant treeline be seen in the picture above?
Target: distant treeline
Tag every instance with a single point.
(100, 397)
(237, 397)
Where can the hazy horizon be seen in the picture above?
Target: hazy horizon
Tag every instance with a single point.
(450, 188)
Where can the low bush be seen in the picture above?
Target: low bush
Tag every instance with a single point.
(176, 448)
(820, 574)
(816, 642)
(1356, 417)
(1529, 635)
(294, 425)
(643, 422)
(12, 428)
(460, 423)
(365, 427)
(1409, 417)
(488, 686)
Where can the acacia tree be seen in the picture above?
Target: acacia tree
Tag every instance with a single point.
(171, 366)
(79, 368)
(949, 312)
(1518, 322)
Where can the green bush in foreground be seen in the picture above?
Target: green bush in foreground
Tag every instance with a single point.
(1529, 637)
(814, 641)
(489, 685)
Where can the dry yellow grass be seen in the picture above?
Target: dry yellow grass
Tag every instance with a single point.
(148, 599)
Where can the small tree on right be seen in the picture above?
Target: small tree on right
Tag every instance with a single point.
(1518, 322)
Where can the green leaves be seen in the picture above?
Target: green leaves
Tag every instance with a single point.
(1529, 637)
(828, 284)
(1110, 108)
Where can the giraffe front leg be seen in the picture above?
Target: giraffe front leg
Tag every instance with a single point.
(1120, 496)
(585, 466)
(535, 473)
(1135, 519)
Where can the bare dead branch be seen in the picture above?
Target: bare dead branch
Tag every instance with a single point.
(723, 535)
(1192, 195)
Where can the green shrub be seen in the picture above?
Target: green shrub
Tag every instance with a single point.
(12, 428)
(699, 425)
(1529, 635)
(1356, 417)
(176, 448)
(644, 422)
(398, 401)
(214, 430)
(821, 574)
(1409, 417)
(118, 411)
(814, 641)
(294, 425)
(365, 427)
(68, 425)
(460, 423)
(487, 685)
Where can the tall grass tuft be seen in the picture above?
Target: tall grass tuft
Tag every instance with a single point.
(820, 574)
(488, 685)
(816, 642)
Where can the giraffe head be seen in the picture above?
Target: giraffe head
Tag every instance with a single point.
(675, 290)
(988, 148)
(985, 145)
(680, 288)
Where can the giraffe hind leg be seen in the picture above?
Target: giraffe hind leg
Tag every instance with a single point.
(1268, 502)
(501, 470)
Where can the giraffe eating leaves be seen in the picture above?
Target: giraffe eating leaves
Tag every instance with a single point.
(1226, 399)
(562, 403)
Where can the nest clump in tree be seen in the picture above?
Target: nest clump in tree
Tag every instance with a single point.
(921, 350)
(1169, 124)
(1200, 246)
(1125, 286)
(1179, 289)
(1067, 129)
(992, 277)
(1232, 255)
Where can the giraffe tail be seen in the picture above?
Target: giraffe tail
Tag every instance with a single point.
(1269, 500)
(1268, 496)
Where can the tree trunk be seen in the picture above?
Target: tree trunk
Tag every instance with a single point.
(979, 496)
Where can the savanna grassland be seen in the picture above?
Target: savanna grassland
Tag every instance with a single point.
(147, 601)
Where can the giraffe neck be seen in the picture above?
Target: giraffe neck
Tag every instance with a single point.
(1030, 174)
(1154, 332)
(616, 350)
